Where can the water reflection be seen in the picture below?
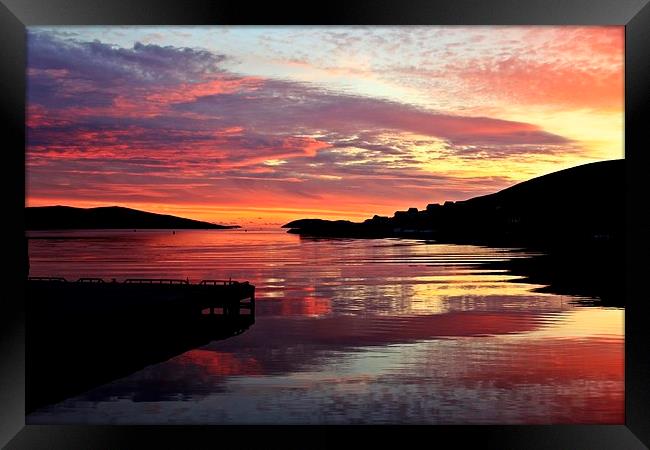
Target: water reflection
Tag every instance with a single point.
(353, 331)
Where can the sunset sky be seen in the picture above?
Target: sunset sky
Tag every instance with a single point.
(263, 125)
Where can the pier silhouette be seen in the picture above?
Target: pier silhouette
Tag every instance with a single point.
(89, 332)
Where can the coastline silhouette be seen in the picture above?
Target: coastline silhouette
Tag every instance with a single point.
(575, 216)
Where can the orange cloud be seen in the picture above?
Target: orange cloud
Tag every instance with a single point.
(539, 83)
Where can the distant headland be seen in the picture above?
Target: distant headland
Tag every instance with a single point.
(110, 217)
(575, 217)
(580, 205)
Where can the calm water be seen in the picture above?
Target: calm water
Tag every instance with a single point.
(352, 331)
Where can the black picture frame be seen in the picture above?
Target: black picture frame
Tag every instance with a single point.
(15, 15)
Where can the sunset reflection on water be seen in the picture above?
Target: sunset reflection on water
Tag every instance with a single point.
(352, 331)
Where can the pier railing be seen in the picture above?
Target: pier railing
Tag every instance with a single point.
(155, 281)
(220, 282)
(56, 279)
(164, 281)
(90, 280)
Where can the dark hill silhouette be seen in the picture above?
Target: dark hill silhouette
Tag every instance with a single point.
(574, 216)
(577, 205)
(117, 217)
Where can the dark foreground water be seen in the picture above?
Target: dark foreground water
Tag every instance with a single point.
(351, 331)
